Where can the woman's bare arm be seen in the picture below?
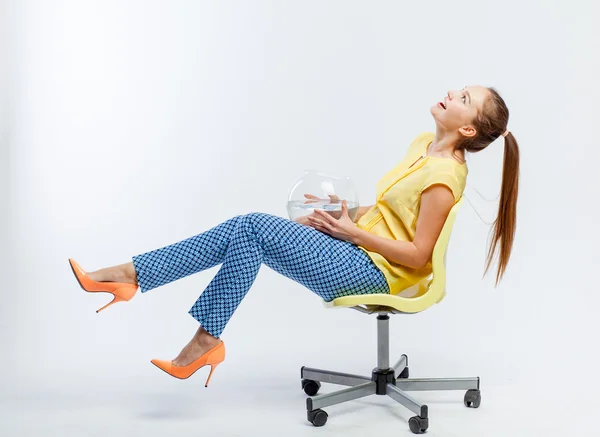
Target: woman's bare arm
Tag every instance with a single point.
(436, 203)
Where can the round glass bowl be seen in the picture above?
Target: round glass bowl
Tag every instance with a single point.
(317, 190)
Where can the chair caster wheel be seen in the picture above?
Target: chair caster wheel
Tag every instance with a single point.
(404, 374)
(317, 417)
(418, 424)
(310, 387)
(473, 398)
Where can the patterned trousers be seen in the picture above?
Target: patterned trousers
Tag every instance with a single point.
(325, 265)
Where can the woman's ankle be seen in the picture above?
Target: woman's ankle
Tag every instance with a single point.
(204, 339)
(130, 273)
(121, 273)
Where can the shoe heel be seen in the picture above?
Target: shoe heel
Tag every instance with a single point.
(212, 369)
(115, 300)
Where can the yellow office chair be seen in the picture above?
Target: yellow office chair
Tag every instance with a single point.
(386, 380)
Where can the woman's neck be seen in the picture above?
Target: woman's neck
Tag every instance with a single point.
(444, 148)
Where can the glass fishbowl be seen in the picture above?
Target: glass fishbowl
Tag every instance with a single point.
(317, 190)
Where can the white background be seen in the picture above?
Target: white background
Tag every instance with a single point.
(127, 126)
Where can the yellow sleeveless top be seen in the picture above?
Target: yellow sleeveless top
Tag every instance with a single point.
(398, 199)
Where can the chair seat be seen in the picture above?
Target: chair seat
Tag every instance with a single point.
(422, 300)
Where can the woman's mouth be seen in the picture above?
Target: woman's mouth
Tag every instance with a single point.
(441, 105)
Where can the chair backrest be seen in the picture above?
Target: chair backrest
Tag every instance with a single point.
(437, 284)
(429, 291)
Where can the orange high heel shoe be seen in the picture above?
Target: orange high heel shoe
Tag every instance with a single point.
(120, 291)
(213, 358)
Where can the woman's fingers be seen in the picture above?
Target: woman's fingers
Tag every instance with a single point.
(344, 208)
(320, 223)
(318, 228)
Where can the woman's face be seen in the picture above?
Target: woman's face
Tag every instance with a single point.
(459, 108)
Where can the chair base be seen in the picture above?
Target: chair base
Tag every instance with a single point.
(393, 382)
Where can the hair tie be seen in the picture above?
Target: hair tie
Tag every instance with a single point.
(505, 133)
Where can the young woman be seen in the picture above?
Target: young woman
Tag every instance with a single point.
(385, 250)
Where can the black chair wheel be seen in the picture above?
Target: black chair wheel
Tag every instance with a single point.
(310, 387)
(473, 398)
(317, 417)
(418, 424)
(404, 374)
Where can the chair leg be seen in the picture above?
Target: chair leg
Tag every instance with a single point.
(400, 365)
(333, 377)
(429, 384)
(402, 398)
(338, 397)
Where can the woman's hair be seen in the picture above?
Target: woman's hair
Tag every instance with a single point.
(490, 123)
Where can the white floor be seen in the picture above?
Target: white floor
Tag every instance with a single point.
(243, 406)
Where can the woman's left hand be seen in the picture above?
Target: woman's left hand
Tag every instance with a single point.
(342, 228)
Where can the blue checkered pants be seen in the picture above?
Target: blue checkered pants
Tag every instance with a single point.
(327, 266)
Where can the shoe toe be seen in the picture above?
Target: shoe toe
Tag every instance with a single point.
(76, 267)
(162, 364)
